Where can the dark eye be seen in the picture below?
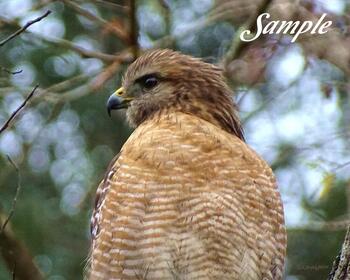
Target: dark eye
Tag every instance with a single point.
(150, 82)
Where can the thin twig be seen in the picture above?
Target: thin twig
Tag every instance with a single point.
(340, 166)
(17, 111)
(14, 201)
(109, 4)
(19, 31)
(65, 44)
(69, 45)
(123, 57)
(317, 226)
(98, 20)
(10, 72)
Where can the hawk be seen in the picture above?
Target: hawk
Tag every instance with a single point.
(186, 197)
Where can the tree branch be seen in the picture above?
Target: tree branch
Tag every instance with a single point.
(10, 72)
(14, 201)
(58, 42)
(17, 257)
(105, 75)
(13, 250)
(109, 4)
(17, 111)
(341, 265)
(19, 31)
(83, 52)
(98, 20)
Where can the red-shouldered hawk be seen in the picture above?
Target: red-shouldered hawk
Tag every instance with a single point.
(186, 198)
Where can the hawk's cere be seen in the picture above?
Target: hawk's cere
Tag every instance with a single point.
(186, 198)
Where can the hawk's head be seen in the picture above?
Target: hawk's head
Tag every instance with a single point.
(164, 81)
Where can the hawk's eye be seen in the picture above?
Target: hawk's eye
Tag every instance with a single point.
(150, 82)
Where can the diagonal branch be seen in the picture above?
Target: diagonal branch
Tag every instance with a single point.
(10, 72)
(69, 45)
(13, 251)
(58, 42)
(17, 111)
(109, 4)
(341, 265)
(98, 20)
(14, 201)
(19, 31)
(17, 257)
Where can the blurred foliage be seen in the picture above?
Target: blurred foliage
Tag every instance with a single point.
(293, 98)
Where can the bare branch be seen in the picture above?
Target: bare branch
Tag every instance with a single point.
(340, 166)
(66, 84)
(109, 71)
(334, 225)
(66, 44)
(29, 23)
(17, 257)
(105, 75)
(109, 4)
(98, 20)
(17, 111)
(341, 265)
(10, 72)
(14, 201)
(13, 250)
(83, 52)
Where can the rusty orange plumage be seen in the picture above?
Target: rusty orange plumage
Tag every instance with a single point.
(186, 198)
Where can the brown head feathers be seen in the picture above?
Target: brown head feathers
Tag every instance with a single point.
(163, 81)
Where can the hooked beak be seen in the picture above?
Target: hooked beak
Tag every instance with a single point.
(116, 101)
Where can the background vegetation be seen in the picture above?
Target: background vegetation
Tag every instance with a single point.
(293, 99)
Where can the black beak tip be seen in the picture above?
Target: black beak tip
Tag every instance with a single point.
(113, 102)
(109, 106)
